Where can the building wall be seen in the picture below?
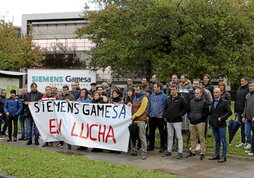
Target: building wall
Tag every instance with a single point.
(55, 33)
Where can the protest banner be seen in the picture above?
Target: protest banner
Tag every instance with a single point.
(102, 126)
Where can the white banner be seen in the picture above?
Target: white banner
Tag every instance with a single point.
(91, 125)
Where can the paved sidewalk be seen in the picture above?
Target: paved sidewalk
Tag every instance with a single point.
(186, 167)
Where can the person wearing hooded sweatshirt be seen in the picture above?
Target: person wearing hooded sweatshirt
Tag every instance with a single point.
(2, 114)
(34, 95)
(12, 109)
(155, 115)
(139, 106)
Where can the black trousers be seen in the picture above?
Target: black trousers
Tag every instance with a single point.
(4, 121)
(14, 120)
(252, 128)
(153, 124)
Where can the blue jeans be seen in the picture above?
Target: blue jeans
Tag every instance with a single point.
(248, 131)
(22, 120)
(177, 129)
(31, 128)
(220, 136)
(242, 125)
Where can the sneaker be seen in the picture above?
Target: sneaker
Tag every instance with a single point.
(190, 155)
(21, 138)
(59, 145)
(248, 151)
(134, 153)
(45, 144)
(150, 149)
(166, 154)
(240, 145)
(29, 142)
(202, 156)
(36, 142)
(15, 139)
(251, 153)
(69, 146)
(25, 139)
(143, 156)
(162, 149)
(248, 146)
(82, 148)
(179, 156)
(9, 140)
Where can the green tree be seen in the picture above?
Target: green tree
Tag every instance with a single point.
(15, 52)
(173, 36)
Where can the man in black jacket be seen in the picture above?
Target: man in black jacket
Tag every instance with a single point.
(34, 95)
(241, 93)
(22, 118)
(220, 112)
(176, 107)
(198, 112)
(2, 114)
(248, 114)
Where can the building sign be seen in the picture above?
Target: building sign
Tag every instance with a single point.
(59, 78)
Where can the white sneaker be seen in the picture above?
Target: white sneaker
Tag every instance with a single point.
(248, 151)
(248, 146)
(251, 153)
(240, 145)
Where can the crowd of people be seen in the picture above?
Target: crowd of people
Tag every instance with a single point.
(186, 106)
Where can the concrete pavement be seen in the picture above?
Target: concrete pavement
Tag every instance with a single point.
(192, 167)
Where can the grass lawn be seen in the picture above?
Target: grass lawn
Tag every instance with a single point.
(27, 162)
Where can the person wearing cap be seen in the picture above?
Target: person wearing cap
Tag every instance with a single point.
(12, 109)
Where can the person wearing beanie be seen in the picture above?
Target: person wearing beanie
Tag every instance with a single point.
(12, 109)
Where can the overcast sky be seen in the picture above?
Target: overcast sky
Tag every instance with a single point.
(12, 10)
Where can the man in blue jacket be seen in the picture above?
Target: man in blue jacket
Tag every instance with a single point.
(12, 109)
(155, 115)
